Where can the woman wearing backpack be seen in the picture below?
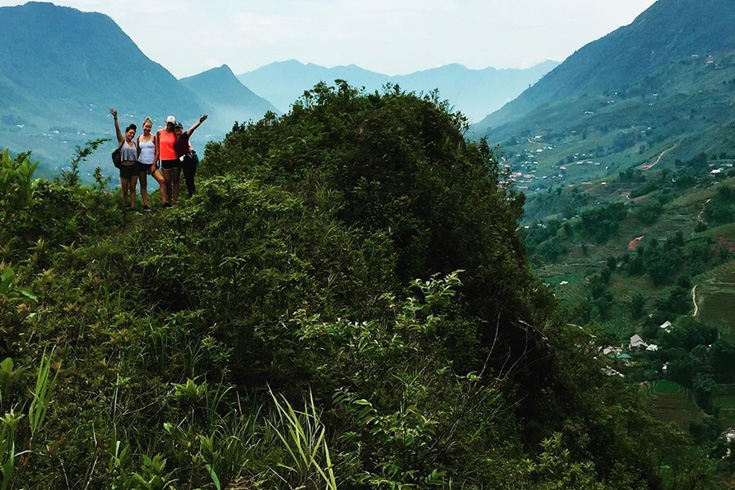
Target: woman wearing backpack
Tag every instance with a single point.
(146, 166)
(128, 161)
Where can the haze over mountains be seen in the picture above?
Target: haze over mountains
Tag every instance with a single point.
(660, 87)
(654, 91)
(474, 92)
(63, 69)
(226, 99)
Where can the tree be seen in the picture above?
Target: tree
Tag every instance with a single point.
(661, 264)
(70, 176)
(637, 305)
(612, 263)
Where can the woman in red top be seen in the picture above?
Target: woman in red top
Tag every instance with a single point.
(170, 164)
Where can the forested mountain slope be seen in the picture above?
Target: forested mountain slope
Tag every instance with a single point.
(62, 71)
(669, 31)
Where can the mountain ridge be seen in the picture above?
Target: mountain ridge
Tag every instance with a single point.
(226, 97)
(667, 31)
(474, 92)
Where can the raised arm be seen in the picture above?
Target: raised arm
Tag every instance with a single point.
(117, 126)
(196, 125)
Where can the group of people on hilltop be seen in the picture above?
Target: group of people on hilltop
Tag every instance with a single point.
(140, 157)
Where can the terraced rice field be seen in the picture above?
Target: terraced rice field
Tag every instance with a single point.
(722, 273)
(716, 298)
(724, 398)
(672, 402)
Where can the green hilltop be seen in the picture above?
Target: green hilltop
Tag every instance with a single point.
(346, 303)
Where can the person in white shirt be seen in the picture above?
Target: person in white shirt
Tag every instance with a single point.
(146, 165)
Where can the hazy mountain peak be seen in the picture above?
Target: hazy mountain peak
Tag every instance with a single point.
(222, 71)
(222, 93)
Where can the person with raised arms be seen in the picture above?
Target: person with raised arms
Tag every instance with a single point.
(146, 166)
(128, 161)
(186, 153)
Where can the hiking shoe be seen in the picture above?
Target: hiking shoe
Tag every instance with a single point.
(147, 209)
(167, 205)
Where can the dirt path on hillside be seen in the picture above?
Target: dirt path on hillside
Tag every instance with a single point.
(648, 166)
(704, 206)
(694, 300)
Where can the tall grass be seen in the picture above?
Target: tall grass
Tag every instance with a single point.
(303, 436)
(42, 394)
(7, 447)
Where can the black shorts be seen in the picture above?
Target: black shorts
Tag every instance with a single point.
(127, 172)
(144, 167)
(170, 164)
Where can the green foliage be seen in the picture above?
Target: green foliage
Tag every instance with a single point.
(8, 425)
(152, 476)
(323, 252)
(9, 291)
(637, 304)
(721, 208)
(401, 430)
(42, 394)
(11, 424)
(602, 223)
(649, 213)
(303, 436)
(555, 468)
(70, 176)
(16, 185)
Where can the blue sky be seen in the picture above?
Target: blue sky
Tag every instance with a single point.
(389, 36)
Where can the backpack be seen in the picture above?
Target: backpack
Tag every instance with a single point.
(116, 158)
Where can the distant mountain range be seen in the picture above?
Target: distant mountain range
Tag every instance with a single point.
(656, 90)
(659, 89)
(474, 92)
(63, 69)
